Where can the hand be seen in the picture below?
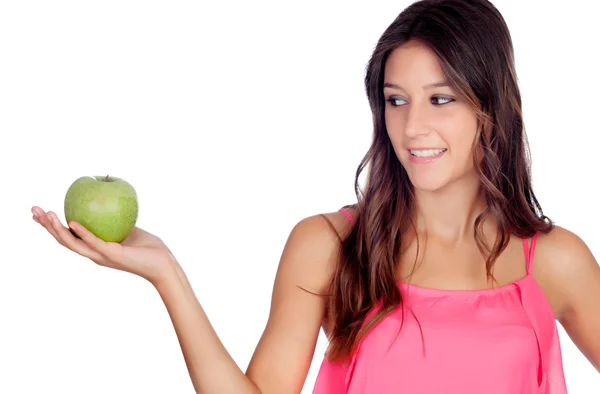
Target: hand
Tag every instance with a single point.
(141, 253)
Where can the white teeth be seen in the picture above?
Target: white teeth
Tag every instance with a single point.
(426, 153)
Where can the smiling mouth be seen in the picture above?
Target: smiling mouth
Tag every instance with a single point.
(427, 152)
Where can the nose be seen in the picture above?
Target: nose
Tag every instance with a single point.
(416, 122)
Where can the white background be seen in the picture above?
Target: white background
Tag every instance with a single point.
(233, 120)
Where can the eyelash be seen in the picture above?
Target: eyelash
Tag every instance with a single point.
(392, 100)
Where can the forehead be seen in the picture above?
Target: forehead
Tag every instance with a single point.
(411, 63)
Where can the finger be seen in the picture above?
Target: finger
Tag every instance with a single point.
(67, 239)
(42, 218)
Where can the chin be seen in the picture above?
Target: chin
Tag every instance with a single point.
(438, 181)
(429, 185)
(428, 179)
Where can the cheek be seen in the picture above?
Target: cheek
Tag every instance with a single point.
(462, 146)
(459, 132)
(395, 132)
(398, 144)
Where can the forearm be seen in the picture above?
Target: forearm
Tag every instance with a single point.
(209, 364)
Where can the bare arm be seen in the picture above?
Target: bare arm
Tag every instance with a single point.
(283, 356)
(210, 366)
(575, 277)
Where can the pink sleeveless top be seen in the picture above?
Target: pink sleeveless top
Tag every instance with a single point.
(502, 340)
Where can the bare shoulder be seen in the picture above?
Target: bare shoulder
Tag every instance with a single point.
(285, 351)
(312, 249)
(563, 252)
(566, 267)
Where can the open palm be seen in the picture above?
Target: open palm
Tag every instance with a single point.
(141, 253)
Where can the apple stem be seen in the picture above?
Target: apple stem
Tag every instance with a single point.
(106, 179)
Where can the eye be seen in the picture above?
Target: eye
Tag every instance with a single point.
(437, 101)
(441, 100)
(395, 101)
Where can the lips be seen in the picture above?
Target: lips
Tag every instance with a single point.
(426, 155)
(429, 152)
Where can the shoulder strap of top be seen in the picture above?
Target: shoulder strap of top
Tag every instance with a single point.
(529, 251)
(347, 214)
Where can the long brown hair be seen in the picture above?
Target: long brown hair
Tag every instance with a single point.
(474, 46)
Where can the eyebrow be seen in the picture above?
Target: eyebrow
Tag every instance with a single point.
(428, 86)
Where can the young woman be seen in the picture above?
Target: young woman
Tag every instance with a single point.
(444, 277)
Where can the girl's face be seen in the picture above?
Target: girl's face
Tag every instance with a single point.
(431, 130)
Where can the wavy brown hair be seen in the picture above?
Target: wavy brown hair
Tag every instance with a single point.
(474, 46)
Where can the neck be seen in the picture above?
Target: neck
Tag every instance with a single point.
(449, 213)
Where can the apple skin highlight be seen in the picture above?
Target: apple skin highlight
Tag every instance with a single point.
(106, 206)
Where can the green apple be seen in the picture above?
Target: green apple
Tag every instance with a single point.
(106, 206)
